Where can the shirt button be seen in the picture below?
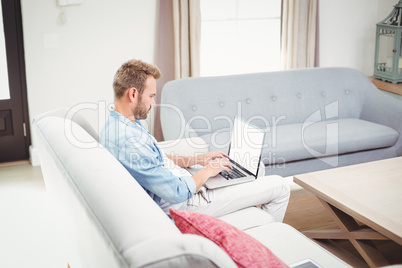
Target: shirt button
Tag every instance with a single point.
(194, 108)
(248, 101)
(274, 98)
(299, 95)
(221, 104)
(323, 94)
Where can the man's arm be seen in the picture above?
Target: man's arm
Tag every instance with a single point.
(203, 160)
(214, 163)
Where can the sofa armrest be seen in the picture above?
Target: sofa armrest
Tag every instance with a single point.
(184, 147)
(178, 251)
(382, 109)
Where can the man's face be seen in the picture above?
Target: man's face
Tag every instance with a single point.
(146, 99)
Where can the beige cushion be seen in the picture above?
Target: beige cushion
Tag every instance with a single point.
(292, 246)
(184, 147)
(248, 218)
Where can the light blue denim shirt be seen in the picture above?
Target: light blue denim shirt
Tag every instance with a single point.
(139, 153)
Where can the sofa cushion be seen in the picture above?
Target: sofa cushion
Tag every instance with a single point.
(242, 248)
(248, 218)
(287, 143)
(276, 236)
(326, 138)
(184, 147)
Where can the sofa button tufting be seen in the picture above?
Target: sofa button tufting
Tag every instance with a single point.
(299, 95)
(323, 94)
(194, 108)
(274, 98)
(248, 101)
(221, 104)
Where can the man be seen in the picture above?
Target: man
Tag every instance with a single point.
(124, 136)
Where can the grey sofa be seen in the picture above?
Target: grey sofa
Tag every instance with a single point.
(314, 118)
(108, 220)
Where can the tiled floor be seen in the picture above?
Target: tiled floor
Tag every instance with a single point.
(27, 236)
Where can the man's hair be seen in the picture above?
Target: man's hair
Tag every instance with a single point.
(133, 73)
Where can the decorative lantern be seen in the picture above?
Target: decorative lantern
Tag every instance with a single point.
(388, 58)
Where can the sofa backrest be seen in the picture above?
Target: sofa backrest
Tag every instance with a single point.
(71, 116)
(207, 104)
(108, 219)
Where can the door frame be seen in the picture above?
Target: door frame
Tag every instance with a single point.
(16, 47)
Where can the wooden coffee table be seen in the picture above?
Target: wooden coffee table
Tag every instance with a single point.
(370, 193)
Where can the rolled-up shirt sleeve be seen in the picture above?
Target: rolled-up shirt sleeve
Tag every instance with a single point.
(146, 166)
(139, 153)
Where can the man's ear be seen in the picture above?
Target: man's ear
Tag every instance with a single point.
(132, 93)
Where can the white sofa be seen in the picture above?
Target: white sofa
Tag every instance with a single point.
(109, 220)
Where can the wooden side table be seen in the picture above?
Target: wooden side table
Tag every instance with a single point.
(387, 86)
(369, 193)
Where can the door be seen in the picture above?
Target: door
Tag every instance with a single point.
(14, 120)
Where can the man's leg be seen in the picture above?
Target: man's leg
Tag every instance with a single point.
(272, 192)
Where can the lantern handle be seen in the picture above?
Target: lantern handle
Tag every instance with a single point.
(395, 17)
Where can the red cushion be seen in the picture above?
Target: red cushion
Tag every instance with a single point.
(244, 250)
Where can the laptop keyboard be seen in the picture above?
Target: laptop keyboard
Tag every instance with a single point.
(233, 174)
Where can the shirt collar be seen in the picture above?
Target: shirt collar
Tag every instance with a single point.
(123, 118)
(126, 121)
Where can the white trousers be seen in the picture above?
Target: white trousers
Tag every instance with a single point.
(272, 192)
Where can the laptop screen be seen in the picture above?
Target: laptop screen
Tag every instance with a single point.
(246, 145)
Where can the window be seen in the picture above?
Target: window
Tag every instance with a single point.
(4, 86)
(240, 36)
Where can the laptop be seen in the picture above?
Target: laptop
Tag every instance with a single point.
(245, 151)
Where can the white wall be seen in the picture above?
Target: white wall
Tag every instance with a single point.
(98, 36)
(347, 32)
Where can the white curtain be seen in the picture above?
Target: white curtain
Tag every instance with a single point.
(299, 34)
(187, 35)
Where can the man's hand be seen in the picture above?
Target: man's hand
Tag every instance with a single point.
(204, 159)
(217, 165)
(211, 169)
